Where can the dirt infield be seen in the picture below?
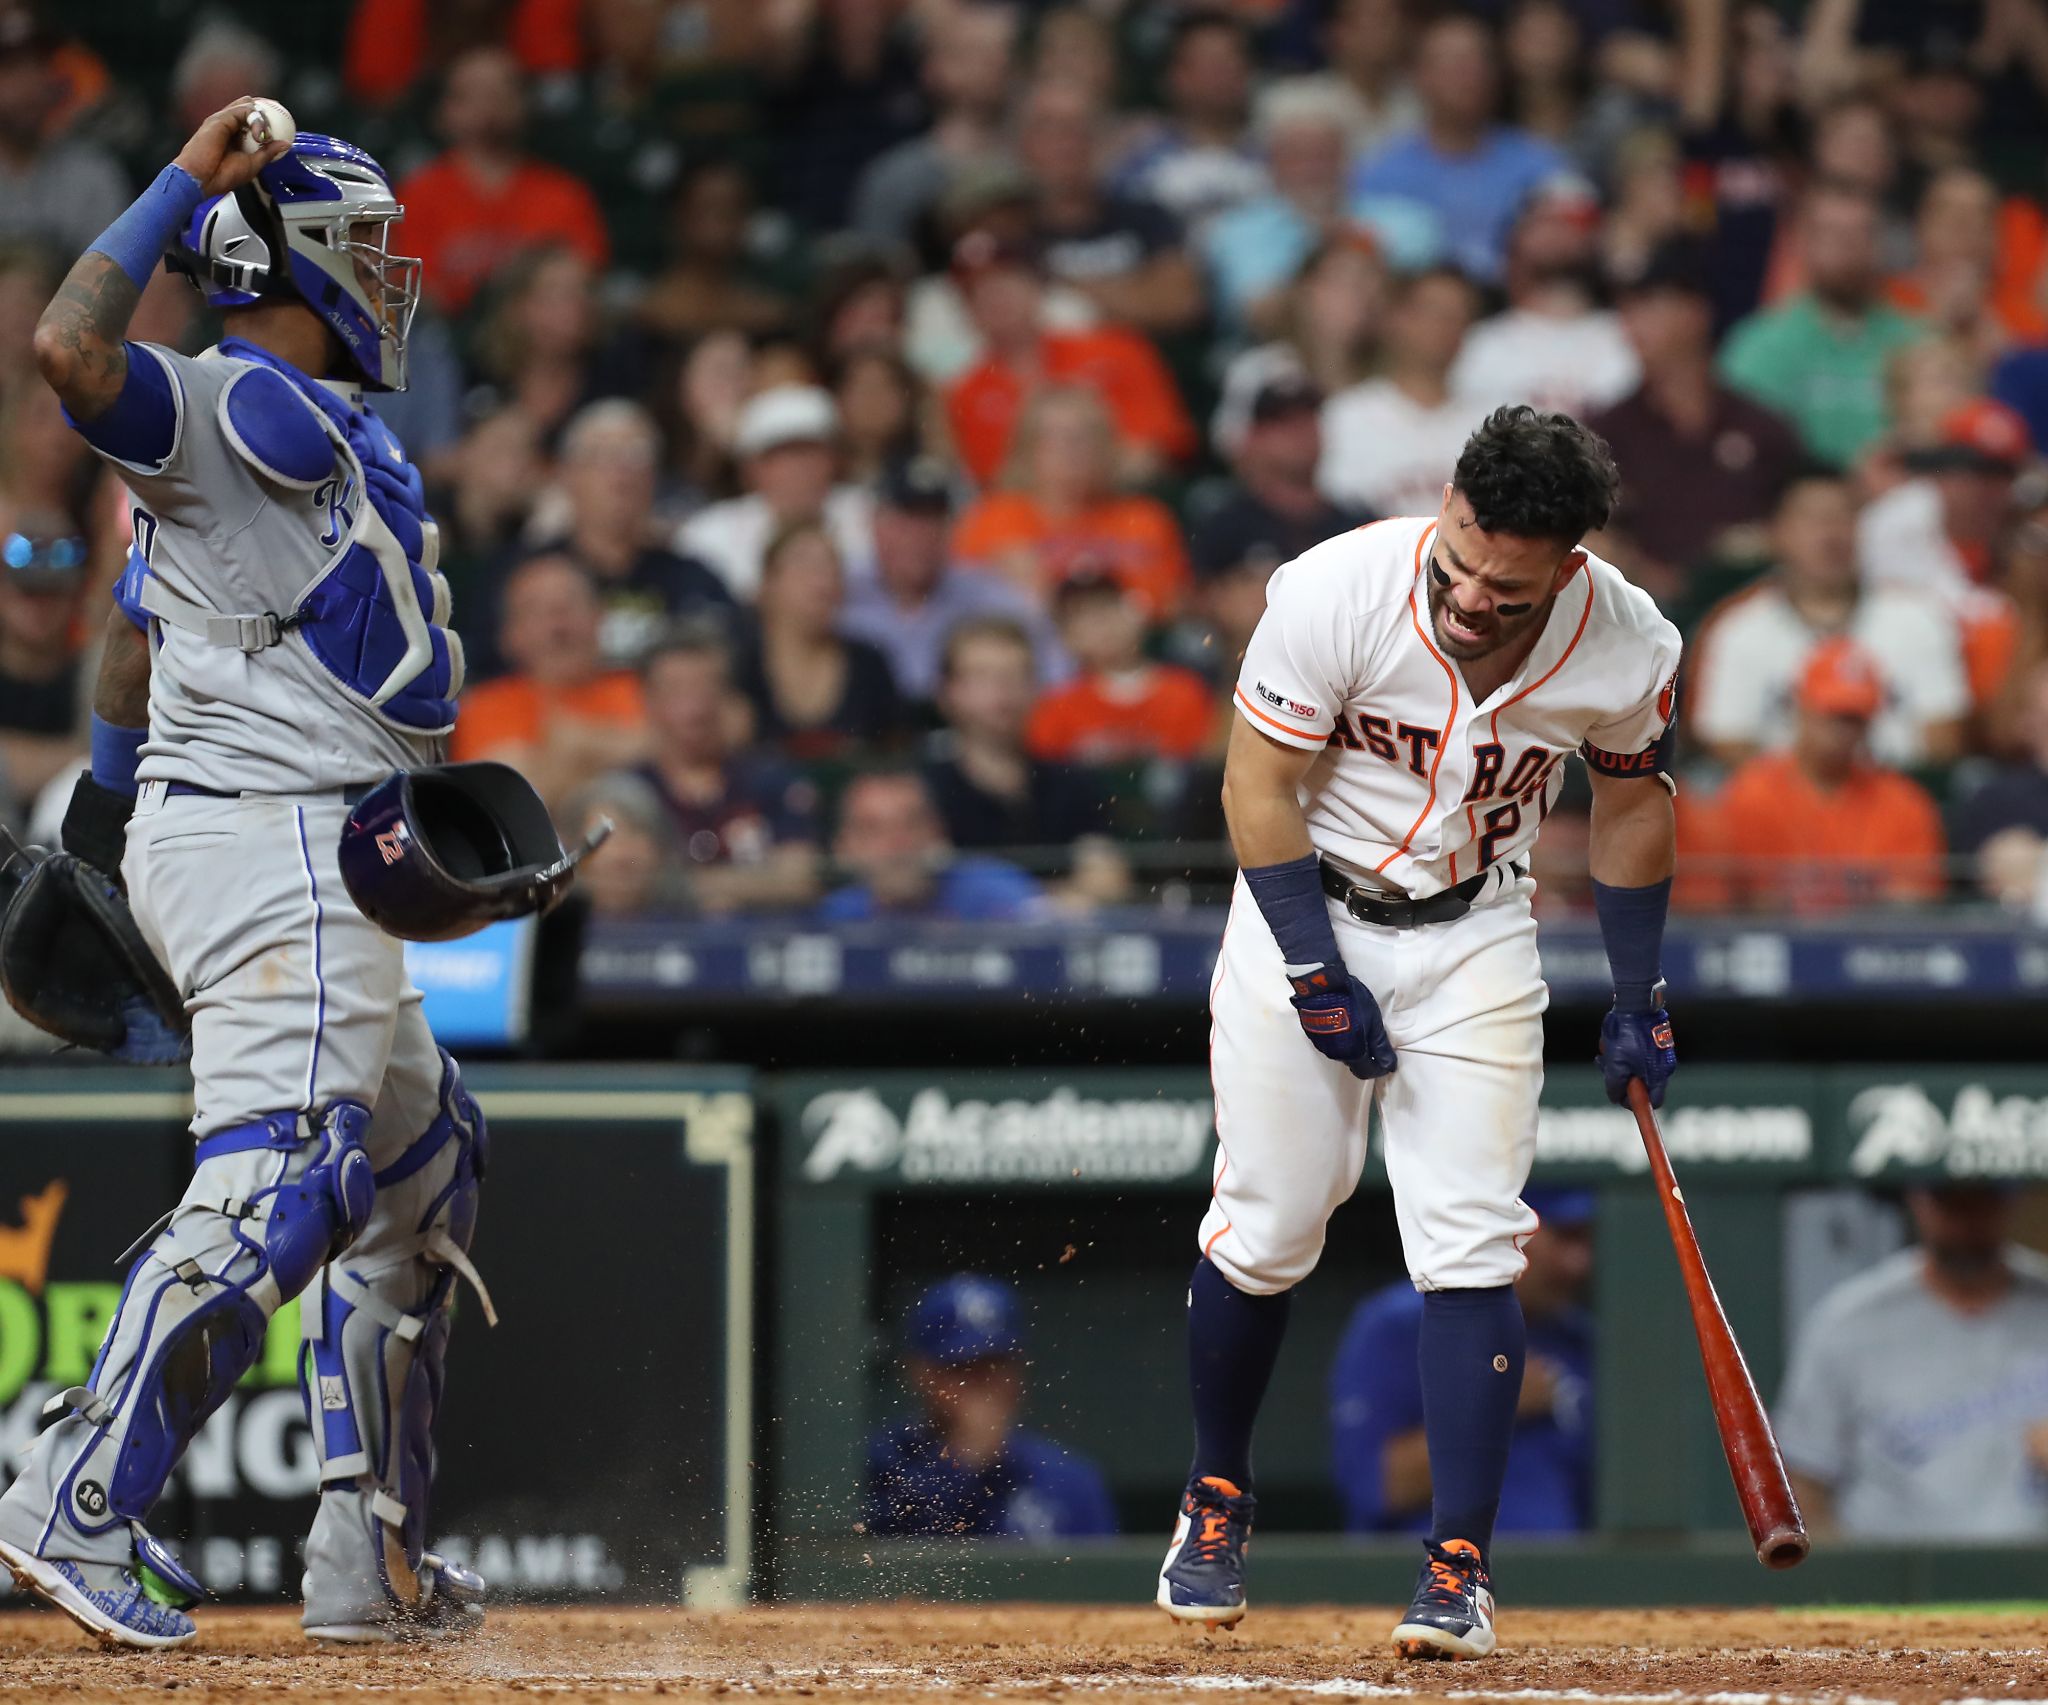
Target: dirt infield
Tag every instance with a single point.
(912, 1653)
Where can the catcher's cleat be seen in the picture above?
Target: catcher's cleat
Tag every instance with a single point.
(108, 1601)
(451, 1608)
(1202, 1579)
(1451, 1614)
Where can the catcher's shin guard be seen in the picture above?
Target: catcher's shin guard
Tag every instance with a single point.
(371, 1370)
(269, 1203)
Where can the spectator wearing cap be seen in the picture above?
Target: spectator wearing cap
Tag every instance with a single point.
(1195, 162)
(54, 188)
(1915, 1403)
(42, 694)
(1253, 251)
(1750, 651)
(1379, 1458)
(608, 470)
(786, 442)
(1553, 346)
(743, 826)
(1267, 513)
(1005, 296)
(1821, 825)
(816, 693)
(969, 67)
(1129, 258)
(1938, 530)
(1459, 165)
(485, 198)
(962, 1467)
(1058, 510)
(1700, 464)
(893, 843)
(561, 716)
(1391, 442)
(989, 789)
(917, 595)
(1120, 706)
(1819, 359)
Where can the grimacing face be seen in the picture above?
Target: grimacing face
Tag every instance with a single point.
(1486, 590)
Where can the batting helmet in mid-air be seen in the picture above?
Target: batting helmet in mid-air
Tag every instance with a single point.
(432, 854)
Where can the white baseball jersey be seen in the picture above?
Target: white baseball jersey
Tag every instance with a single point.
(1419, 785)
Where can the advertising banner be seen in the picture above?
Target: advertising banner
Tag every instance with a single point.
(596, 1442)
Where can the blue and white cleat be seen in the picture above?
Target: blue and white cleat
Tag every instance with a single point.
(1202, 1579)
(1451, 1614)
(109, 1602)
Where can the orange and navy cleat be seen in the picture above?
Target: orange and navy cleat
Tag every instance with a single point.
(1451, 1614)
(1202, 1579)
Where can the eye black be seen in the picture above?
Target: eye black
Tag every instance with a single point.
(1512, 609)
(1437, 574)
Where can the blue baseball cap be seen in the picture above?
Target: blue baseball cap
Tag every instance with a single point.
(1556, 1205)
(967, 1318)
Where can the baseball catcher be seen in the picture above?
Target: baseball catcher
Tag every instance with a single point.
(277, 683)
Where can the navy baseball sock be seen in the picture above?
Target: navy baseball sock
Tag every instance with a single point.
(1471, 1361)
(1233, 1342)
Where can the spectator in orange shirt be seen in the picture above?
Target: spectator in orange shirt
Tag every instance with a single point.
(1974, 274)
(485, 198)
(1058, 511)
(394, 44)
(562, 717)
(1005, 289)
(1822, 826)
(1119, 706)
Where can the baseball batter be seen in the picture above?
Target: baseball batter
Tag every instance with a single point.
(283, 647)
(1405, 710)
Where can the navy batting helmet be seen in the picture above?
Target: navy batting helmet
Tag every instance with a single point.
(432, 854)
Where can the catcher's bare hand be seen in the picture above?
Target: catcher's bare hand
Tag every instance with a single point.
(214, 154)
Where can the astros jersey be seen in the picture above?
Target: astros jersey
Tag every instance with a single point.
(1417, 784)
(223, 527)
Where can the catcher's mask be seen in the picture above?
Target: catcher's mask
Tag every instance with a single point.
(437, 853)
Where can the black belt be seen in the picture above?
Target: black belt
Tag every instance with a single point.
(192, 790)
(1373, 906)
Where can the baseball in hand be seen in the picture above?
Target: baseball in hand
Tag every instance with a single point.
(267, 122)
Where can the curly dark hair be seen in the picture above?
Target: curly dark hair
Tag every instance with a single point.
(1537, 476)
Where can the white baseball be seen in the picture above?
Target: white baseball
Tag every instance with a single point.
(267, 122)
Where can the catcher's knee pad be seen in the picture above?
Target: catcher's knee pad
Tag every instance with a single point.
(269, 1202)
(376, 1327)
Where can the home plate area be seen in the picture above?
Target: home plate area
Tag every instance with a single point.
(914, 1651)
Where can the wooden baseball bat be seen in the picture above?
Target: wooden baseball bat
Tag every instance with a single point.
(1746, 1437)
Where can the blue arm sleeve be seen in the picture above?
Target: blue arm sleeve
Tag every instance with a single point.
(1290, 898)
(1632, 926)
(142, 425)
(115, 753)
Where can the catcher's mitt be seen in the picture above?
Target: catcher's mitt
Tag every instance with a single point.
(74, 963)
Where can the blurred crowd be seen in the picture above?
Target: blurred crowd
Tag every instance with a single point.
(861, 430)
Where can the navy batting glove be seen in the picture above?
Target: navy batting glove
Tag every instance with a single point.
(1343, 1021)
(1638, 1044)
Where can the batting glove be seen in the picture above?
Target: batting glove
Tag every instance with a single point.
(1638, 1044)
(1343, 1021)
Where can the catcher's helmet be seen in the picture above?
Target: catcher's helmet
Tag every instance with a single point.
(432, 854)
(314, 226)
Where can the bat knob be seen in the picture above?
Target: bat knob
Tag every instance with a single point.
(1783, 1548)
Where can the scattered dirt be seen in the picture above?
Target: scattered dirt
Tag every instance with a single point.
(888, 1653)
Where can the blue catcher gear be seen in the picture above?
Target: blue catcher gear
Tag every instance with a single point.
(376, 1325)
(433, 854)
(269, 1204)
(314, 227)
(376, 617)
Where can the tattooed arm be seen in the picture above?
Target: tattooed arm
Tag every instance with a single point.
(79, 341)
